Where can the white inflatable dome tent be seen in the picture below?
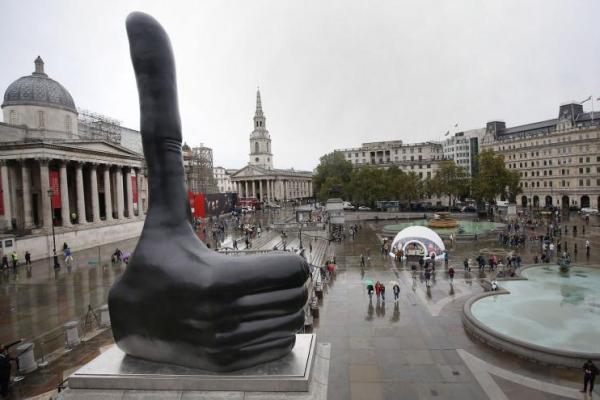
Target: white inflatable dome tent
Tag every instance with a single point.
(420, 238)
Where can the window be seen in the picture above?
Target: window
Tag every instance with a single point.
(13, 117)
(256, 147)
(41, 122)
(68, 124)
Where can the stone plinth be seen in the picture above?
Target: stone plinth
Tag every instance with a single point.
(113, 370)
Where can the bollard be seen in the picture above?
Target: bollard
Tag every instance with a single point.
(72, 334)
(26, 358)
(104, 316)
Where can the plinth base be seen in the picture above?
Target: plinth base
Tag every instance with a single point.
(114, 372)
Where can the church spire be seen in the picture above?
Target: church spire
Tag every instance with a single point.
(259, 111)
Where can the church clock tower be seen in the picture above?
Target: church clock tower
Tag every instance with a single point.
(260, 140)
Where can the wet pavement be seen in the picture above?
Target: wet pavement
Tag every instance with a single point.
(415, 348)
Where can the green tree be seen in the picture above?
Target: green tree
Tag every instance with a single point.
(451, 180)
(367, 185)
(412, 188)
(493, 179)
(332, 175)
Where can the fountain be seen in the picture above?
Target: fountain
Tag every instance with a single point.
(545, 315)
(442, 220)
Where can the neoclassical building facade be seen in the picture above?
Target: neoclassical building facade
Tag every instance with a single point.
(259, 179)
(558, 159)
(59, 170)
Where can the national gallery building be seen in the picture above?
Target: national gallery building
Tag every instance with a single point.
(81, 172)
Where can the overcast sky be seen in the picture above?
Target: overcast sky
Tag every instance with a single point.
(332, 74)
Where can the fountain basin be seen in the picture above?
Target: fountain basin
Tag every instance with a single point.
(547, 316)
(471, 228)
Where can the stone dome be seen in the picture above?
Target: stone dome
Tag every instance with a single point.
(39, 90)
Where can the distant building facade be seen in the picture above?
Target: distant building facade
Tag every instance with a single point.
(223, 180)
(463, 148)
(420, 158)
(558, 159)
(82, 173)
(259, 179)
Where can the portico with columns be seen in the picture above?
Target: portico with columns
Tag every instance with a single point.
(69, 184)
(272, 185)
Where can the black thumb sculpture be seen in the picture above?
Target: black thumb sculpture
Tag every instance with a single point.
(177, 301)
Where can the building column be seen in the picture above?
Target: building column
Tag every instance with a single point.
(310, 188)
(129, 192)
(107, 196)
(44, 187)
(27, 206)
(269, 191)
(260, 188)
(81, 218)
(65, 209)
(120, 199)
(246, 189)
(138, 180)
(6, 194)
(94, 190)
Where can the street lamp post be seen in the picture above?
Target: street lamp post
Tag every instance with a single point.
(55, 256)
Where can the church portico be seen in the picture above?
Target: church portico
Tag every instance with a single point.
(259, 179)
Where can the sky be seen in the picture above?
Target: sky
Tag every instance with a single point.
(332, 74)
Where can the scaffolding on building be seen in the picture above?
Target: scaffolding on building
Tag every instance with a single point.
(199, 169)
(100, 126)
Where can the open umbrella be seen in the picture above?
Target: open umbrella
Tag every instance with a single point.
(368, 282)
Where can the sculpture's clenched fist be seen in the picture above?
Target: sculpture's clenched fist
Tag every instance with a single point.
(177, 301)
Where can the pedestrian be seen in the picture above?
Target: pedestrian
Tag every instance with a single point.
(446, 257)
(396, 290)
(377, 289)
(451, 275)
(4, 371)
(15, 260)
(370, 291)
(382, 289)
(587, 248)
(589, 376)
(235, 246)
(427, 277)
(27, 258)
(310, 247)
(4, 261)
(362, 260)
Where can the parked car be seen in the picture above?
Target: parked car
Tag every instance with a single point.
(348, 206)
(468, 209)
(588, 211)
(364, 208)
(274, 206)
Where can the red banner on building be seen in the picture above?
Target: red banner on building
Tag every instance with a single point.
(55, 186)
(134, 189)
(2, 196)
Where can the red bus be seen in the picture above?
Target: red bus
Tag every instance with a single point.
(249, 202)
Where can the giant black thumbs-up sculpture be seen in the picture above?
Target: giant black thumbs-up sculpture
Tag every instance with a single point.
(177, 301)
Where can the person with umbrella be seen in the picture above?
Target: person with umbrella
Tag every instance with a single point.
(369, 285)
(396, 290)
